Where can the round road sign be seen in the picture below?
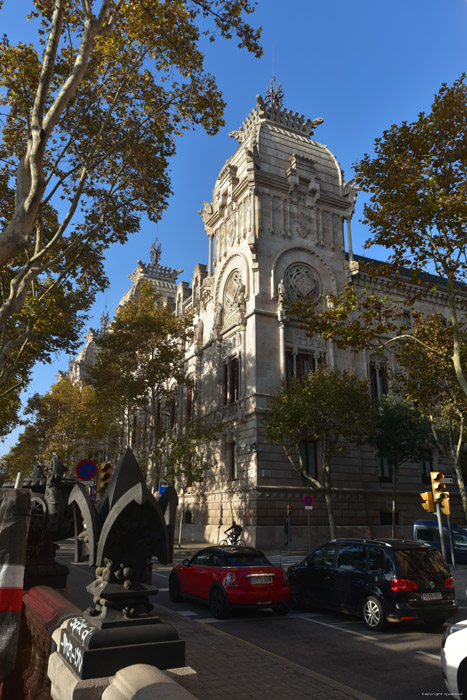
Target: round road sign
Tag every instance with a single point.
(86, 469)
(308, 500)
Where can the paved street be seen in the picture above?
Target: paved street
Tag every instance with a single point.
(313, 654)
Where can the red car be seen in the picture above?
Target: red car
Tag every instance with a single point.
(228, 576)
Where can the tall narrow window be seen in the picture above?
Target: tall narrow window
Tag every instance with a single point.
(384, 470)
(233, 461)
(172, 409)
(298, 365)
(189, 403)
(378, 381)
(231, 381)
(309, 455)
(426, 467)
(158, 415)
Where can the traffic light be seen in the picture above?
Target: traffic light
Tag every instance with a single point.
(437, 485)
(444, 503)
(427, 503)
(289, 510)
(103, 476)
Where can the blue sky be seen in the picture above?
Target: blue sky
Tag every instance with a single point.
(361, 65)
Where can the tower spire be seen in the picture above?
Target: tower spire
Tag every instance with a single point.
(274, 96)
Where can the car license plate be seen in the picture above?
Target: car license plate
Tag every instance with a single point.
(261, 579)
(432, 596)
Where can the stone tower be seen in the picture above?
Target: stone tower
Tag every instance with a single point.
(276, 228)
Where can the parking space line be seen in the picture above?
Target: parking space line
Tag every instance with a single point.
(185, 613)
(432, 656)
(342, 629)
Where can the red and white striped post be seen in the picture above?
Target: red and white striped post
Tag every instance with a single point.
(15, 513)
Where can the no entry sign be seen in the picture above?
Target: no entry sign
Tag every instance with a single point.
(86, 469)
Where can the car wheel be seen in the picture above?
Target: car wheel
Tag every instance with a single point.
(175, 593)
(296, 598)
(280, 608)
(462, 684)
(218, 603)
(373, 614)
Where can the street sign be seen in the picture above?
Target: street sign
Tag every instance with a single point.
(308, 507)
(308, 501)
(448, 478)
(162, 487)
(86, 469)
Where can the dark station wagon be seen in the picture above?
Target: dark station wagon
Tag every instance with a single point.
(378, 580)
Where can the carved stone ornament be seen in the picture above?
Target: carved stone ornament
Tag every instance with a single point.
(230, 344)
(301, 282)
(234, 295)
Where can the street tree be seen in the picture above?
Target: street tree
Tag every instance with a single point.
(90, 114)
(64, 421)
(417, 211)
(325, 406)
(429, 381)
(139, 357)
(401, 434)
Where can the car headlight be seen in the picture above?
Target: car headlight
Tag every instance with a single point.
(451, 630)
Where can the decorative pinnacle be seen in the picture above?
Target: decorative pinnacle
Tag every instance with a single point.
(274, 96)
(156, 252)
(105, 321)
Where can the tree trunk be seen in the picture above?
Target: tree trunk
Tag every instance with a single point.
(394, 489)
(329, 505)
(456, 453)
(153, 467)
(327, 488)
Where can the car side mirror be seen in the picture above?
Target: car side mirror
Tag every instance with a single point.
(186, 562)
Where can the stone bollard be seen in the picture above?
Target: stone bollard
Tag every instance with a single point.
(142, 682)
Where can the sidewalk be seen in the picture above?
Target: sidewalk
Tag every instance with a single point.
(230, 669)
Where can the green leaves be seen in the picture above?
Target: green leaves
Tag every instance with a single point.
(417, 180)
(325, 406)
(93, 111)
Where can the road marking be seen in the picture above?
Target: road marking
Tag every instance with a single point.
(209, 620)
(163, 590)
(156, 573)
(432, 656)
(185, 613)
(342, 629)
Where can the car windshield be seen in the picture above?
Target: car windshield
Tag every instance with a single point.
(250, 559)
(416, 562)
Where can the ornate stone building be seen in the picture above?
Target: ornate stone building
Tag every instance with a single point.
(278, 224)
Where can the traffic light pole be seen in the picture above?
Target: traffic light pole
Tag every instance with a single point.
(440, 527)
(451, 541)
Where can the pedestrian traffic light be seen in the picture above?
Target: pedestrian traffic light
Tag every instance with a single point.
(427, 503)
(444, 503)
(103, 476)
(437, 485)
(289, 510)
